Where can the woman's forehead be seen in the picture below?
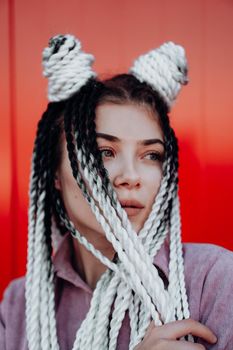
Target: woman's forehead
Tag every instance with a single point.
(128, 121)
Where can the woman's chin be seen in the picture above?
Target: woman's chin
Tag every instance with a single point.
(136, 226)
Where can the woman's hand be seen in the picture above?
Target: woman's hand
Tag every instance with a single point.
(165, 337)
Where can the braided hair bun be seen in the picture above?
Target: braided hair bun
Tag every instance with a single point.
(66, 66)
(164, 69)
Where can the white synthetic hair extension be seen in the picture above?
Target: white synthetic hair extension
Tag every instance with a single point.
(67, 69)
(164, 68)
(131, 284)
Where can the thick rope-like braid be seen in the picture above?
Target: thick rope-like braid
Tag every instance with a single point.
(121, 304)
(40, 146)
(87, 134)
(129, 246)
(93, 327)
(175, 234)
(35, 330)
(137, 304)
(161, 229)
(51, 311)
(159, 205)
(164, 69)
(144, 322)
(82, 240)
(175, 220)
(106, 303)
(45, 296)
(47, 303)
(92, 311)
(134, 319)
(53, 132)
(167, 187)
(66, 66)
(80, 118)
(44, 300)
(31, 241)
(33, 192)
(37, 210)
(173, 278)
(73, 156)
(157, 212)
(174, 286)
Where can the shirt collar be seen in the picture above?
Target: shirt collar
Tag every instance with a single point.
(63, 267)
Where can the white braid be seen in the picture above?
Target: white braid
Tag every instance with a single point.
(68, 69)
(40, 314)
(31, 237)
(165, 69)
(131, 285)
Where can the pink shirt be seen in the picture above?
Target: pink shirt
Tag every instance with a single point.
(209, 281)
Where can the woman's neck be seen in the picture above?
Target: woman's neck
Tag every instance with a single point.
(87, 265)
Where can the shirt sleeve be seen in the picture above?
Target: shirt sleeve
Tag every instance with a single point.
(2, 329)
(12, 317)
(216, 308)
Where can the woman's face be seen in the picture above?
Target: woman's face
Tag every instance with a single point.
(130, 139)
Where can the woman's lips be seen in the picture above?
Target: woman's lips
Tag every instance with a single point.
(132, 211)
(132, 207)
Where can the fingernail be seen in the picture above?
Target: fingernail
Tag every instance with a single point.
(215, 339)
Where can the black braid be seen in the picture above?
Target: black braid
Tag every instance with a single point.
(84, 123)
(47, 138)
(70, 141)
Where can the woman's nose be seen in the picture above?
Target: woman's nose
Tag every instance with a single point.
(128, 177)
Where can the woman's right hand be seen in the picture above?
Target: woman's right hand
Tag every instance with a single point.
(165, 337)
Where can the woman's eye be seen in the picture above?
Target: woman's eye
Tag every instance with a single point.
(155, 156)
(106, 153)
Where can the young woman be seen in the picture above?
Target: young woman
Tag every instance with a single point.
(104, 175)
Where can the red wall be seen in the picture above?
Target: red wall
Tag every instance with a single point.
(116, 32)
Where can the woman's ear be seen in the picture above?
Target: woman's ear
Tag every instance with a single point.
(57, 181)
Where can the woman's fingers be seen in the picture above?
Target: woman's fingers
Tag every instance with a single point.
(165, 344)
(179, 329)
(167, 337)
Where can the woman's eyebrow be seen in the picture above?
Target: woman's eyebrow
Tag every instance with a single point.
(107, 137)
(116, 139)
(151, 142)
